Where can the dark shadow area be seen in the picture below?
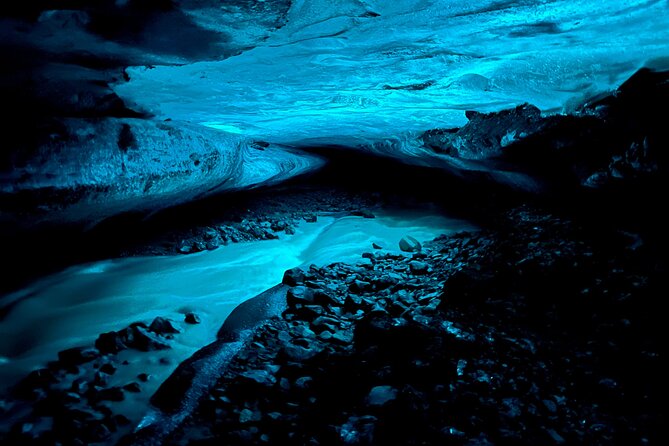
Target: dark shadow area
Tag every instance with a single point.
(349, 171)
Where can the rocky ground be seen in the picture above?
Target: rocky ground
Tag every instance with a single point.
(261, 216)
(539, 332)
(73, 399)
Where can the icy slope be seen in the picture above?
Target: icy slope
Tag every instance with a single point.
(355, 72)
(98, 168)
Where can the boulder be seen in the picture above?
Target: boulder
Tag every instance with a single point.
(410, 244)
(293, 277)
(110, 343)
(77, 356)
(486, 134)
(163, 326)
(141, 339)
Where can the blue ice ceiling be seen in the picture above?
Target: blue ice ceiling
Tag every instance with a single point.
(121, 105)
(355, 72)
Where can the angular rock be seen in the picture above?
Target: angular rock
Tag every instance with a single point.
(110, 343)
(299, 295)
(358, 430)
(163, 326)
(417, 267)
(261, 377)
(141, 339)
(132, 387)
(299, 353)
(77, 356)
(410, 244)
(249, 416)
(192, 318)
(293, 277)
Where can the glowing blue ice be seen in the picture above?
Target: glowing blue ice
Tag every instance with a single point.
(354, 72)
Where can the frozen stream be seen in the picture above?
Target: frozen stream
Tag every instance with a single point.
(72, 307)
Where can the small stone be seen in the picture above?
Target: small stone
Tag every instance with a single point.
(77, 355)
(100, 379)
(192, 318)
(555, 437)
(108, 368)
(299, 295)
(143, 377)
(120, 420)
(79, 385)
(608, 383)
(132, 387)
(380, 395)
(262, 377)
(358, 430)
(352, 303)
(417, 267)
(110, 394)
(376, 246)
(550, 405)
(343, 336)
(303, 382)
(110, 342)
(299, 353)
(248, 416)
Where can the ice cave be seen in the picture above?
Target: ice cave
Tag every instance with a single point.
(334, 222)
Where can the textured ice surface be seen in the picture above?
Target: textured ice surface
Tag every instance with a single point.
(103, 167)
(357, 72)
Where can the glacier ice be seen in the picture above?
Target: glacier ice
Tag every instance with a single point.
(358, 72)
(208, 78)
(98, 168)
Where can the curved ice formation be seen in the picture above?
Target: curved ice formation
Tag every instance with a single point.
(97, 168)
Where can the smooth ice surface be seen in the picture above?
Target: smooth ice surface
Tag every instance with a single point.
(363, 71)
(71, 308)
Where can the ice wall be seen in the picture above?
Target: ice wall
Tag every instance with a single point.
(98, 168)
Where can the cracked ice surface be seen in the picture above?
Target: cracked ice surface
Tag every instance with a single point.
(359, 72)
